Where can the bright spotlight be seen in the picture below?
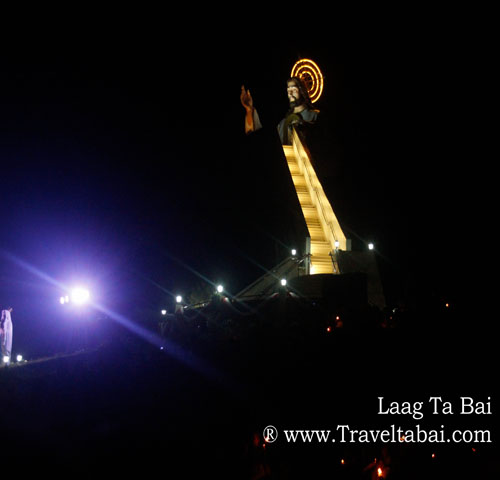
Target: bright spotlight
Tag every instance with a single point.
(19, 358)
(294, 252)
(163, 312)
(62, 300)
(283, 282)
(6, 359)
(178, 299)
(220, 288)
(371, 246)
(337, 244)
(80, 295)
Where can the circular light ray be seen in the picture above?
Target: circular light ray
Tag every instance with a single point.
(309, 72)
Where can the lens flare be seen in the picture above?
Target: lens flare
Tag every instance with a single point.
(80, 295)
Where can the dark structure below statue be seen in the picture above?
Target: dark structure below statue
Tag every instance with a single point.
(365, 263)
(358, 285)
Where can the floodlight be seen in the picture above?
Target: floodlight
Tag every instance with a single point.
(80, 295)
(220, 288)
(163, 312)
(19, 358)
(178, 299)
(6, 359)
(62, 300)
(283, 282)
(294, 252)
(370, 246)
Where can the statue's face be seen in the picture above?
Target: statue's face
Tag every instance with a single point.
(293, 92)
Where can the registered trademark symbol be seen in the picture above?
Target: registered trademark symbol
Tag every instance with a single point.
(270, 434)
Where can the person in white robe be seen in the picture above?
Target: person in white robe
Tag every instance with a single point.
(6, 334)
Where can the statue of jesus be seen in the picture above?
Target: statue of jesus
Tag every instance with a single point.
(301, 113)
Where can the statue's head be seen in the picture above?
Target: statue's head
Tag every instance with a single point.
(297, 92)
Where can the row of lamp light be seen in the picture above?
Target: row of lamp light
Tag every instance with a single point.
(283, 281)
(78, 296)
(19, 359)
(178, 300)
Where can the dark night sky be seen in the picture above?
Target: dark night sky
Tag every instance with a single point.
(121, 153)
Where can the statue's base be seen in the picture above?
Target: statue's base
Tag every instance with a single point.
(358, 284)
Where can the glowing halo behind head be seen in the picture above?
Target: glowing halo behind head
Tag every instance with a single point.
(309, 72)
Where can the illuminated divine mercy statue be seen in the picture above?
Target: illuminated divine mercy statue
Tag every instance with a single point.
(300, 114)
(325, 234)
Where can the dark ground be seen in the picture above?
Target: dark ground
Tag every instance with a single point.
(128, 409)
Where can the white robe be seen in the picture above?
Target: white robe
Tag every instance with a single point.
(6, 338)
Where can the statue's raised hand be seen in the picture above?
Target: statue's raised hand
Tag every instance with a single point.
(246, 99)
